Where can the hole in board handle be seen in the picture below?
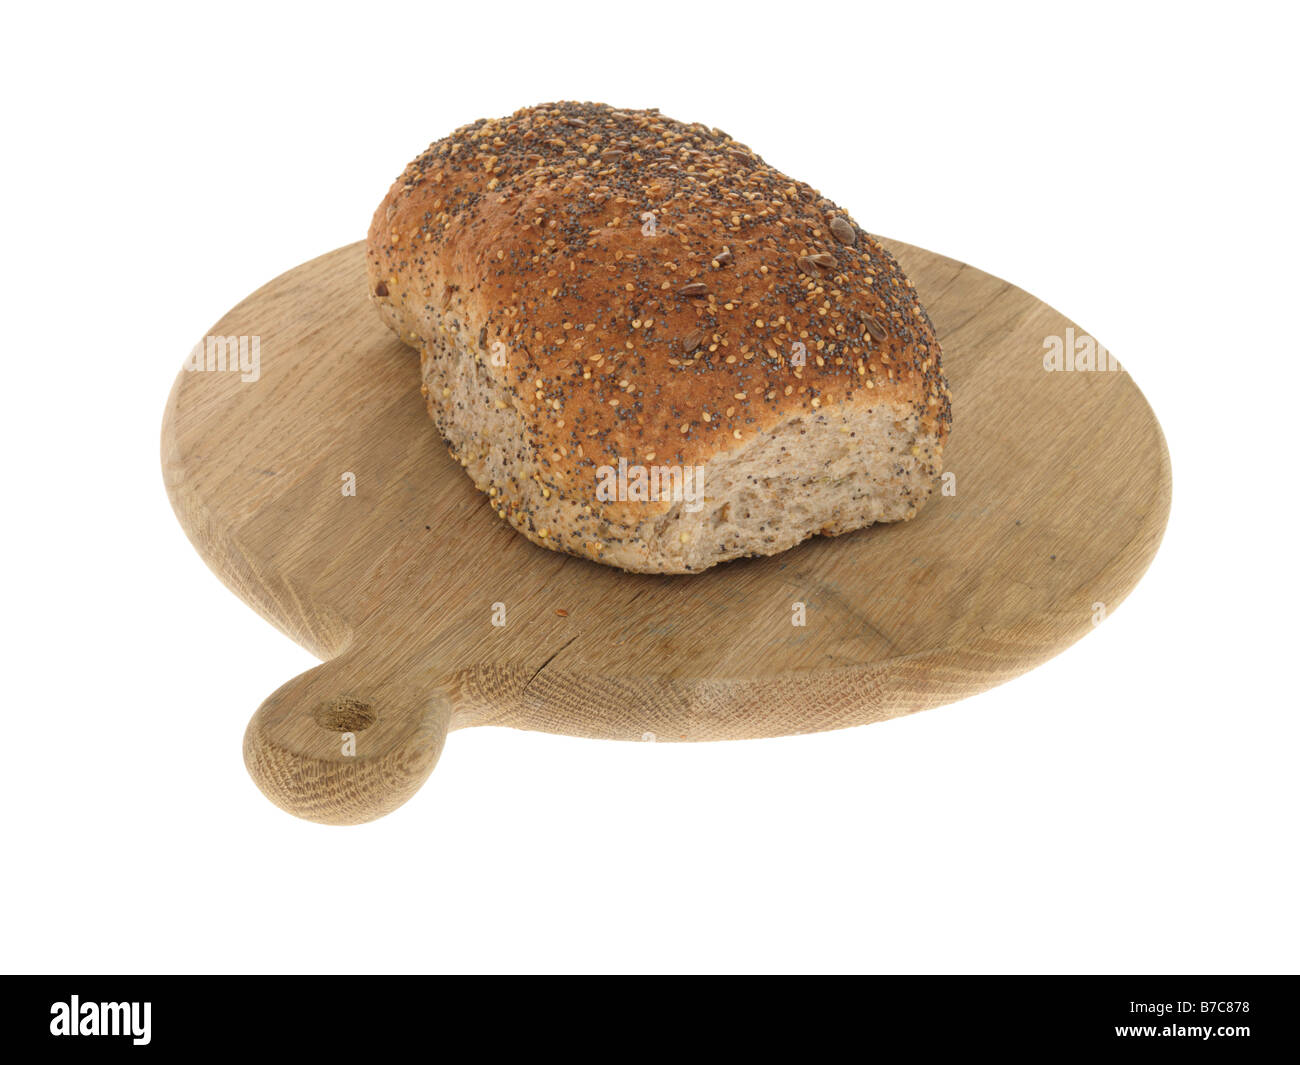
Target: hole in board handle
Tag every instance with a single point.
(346, 715)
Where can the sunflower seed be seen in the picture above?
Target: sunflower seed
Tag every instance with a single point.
(842, 231)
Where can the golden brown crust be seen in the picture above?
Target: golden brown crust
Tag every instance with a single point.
(649, 285)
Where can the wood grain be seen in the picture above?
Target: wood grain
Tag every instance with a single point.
(1062, 494)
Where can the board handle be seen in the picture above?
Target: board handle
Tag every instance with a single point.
(333, 747)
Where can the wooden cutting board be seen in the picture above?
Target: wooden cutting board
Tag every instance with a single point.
(1060, 496)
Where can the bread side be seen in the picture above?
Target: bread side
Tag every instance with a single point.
(649, 348)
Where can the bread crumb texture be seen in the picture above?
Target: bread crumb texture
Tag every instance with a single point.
(589, 285)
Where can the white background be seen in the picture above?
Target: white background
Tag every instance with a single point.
(1130, 806)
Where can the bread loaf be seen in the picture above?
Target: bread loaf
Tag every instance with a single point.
(651, 349)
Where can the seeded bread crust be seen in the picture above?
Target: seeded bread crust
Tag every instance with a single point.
(587, 284)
